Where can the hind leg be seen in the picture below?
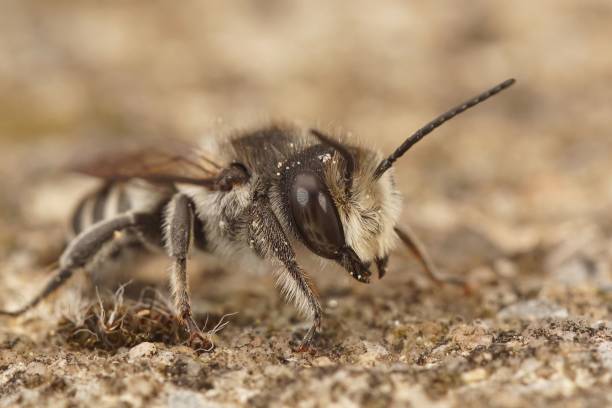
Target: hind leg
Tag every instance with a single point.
(82, 250)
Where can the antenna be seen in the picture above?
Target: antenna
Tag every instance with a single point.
(428, 128)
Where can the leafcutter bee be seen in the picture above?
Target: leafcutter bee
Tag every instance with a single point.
(259, 194)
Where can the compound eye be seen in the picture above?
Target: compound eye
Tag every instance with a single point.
(315, 216)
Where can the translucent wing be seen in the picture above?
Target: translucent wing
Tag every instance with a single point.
(175, 163)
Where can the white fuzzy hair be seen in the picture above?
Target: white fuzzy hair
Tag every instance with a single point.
(372, 208)
(290, 291)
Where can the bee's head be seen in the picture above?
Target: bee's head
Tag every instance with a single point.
(342, 199)
(337, 208)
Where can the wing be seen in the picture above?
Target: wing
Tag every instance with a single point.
(175, 163)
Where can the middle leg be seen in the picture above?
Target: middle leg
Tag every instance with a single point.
(178, 234)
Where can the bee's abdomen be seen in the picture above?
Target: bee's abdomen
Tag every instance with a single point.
(106, 202)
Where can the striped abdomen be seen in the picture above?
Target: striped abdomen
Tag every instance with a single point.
(113, 199)
(104, 203)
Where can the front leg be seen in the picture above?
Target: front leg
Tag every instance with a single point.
(178, 234)
(268, 239)
(418, 249)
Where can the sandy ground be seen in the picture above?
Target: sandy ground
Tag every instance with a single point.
(515, 197)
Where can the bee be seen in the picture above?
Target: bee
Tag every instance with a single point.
(258, 195)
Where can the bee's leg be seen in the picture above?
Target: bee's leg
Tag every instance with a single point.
(82, 250)
(268, 239)
(178, 234)
(418, 249)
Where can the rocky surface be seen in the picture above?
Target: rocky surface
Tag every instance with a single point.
(514, 197)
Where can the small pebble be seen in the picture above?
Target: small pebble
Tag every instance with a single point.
(142, 350)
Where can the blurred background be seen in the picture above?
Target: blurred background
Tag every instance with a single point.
(515, 195)
(74, 71)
